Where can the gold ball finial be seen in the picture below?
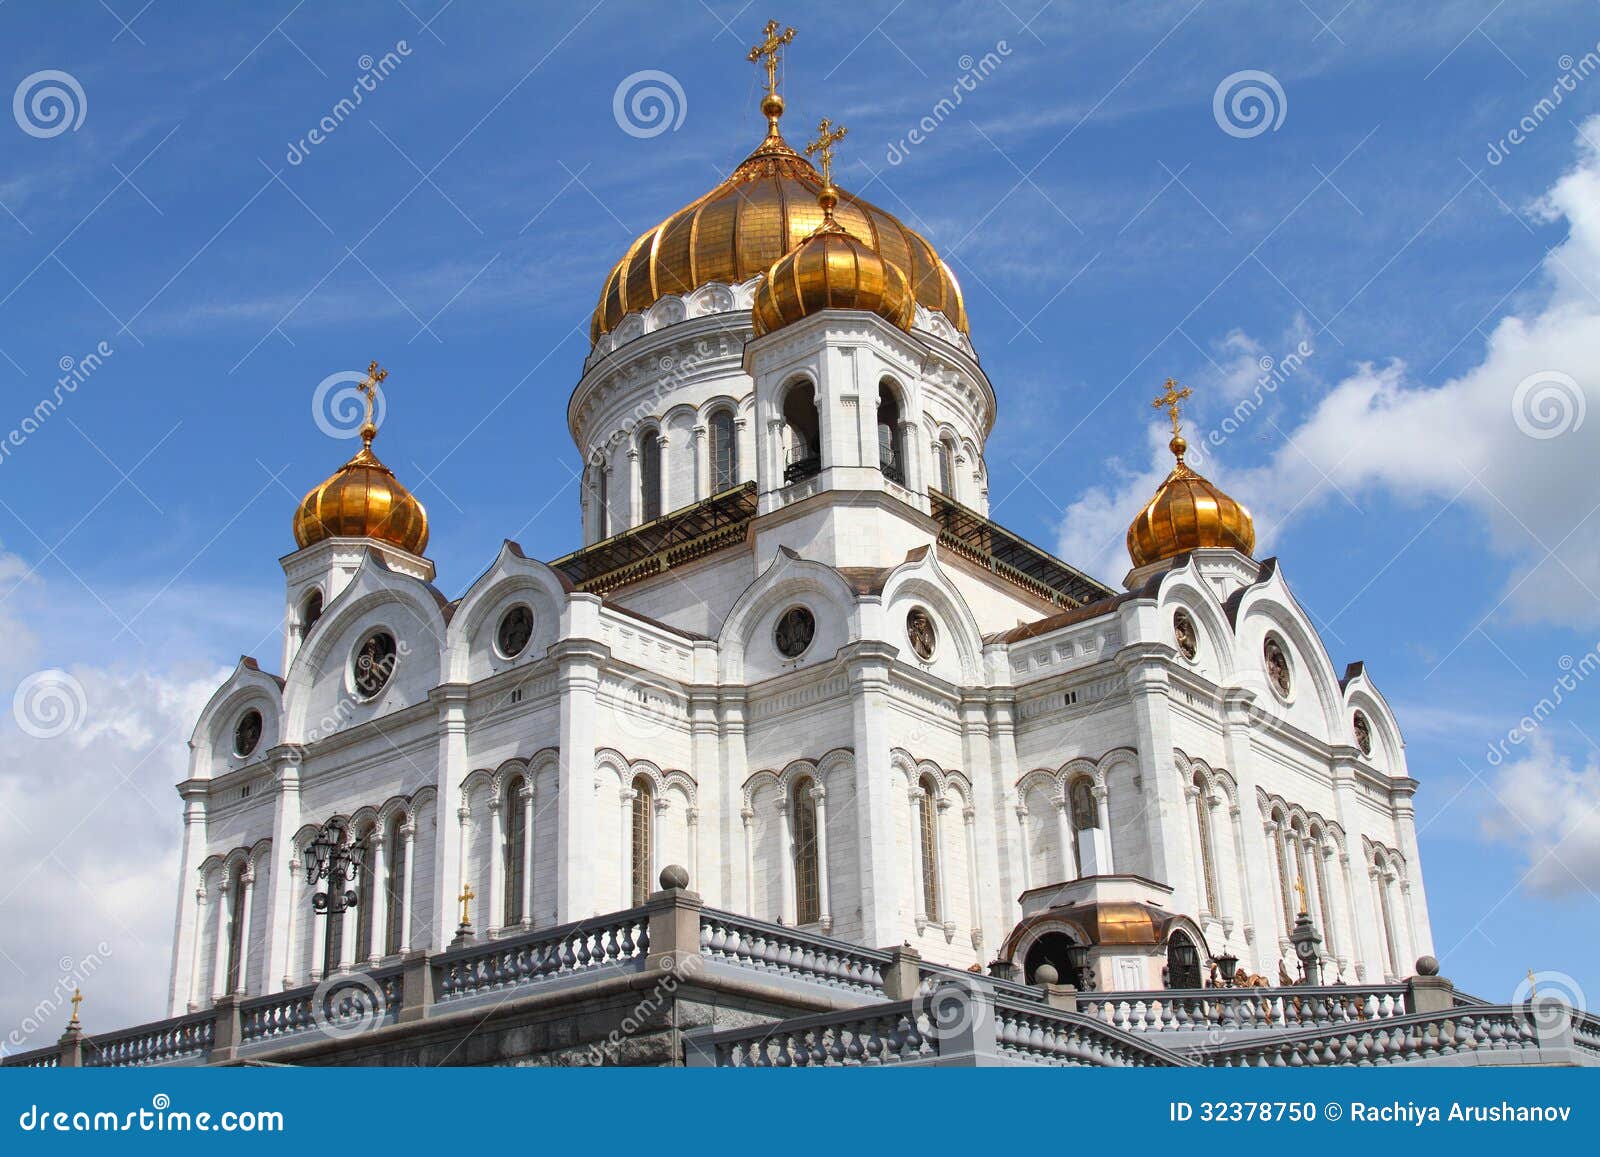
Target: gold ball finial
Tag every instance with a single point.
(772, 106)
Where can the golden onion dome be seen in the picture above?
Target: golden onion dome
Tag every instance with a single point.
(363, 499)
(766, 208)
(832, 269)
(1188, 513)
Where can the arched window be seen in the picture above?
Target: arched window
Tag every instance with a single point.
(724, 452)
(366, 900)
(928, 833)
(1285, 884)
(235, 929)
(1183, 962)
(650, 476)
(643, 806)
(947, 466)
(332, 942)
(801, 433)
(891, 458)
(1202, 819)
(310, 612)
(396, 886)
(808, 896)
(602, 502)
(515, 851)
(1391, 947)
(1085, 815)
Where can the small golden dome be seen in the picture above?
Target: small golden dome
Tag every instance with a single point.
(831, 269)
(363, 499)
(1188, 513)
(741, 227)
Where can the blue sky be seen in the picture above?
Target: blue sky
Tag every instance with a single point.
(1108, 233)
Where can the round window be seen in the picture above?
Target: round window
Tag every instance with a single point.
(794, 632)
(1184, 634)
(516, 628)
(373, 664)
(1363, 729)
(1277, 662)
(920, 632)
(247, 733)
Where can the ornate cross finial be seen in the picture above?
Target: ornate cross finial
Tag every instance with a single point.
(467, 897)
(1171, 402)
(770, 52)
(77, 999)
(369, 390)
(822, 147)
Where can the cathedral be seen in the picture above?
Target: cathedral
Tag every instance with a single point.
(799, 724)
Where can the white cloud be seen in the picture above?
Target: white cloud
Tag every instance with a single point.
(1550, 811)
(1465, 440)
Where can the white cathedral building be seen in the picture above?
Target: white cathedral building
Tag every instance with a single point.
(796, 657)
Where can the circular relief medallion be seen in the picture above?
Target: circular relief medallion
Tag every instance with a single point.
(1363, 730)
(373, 663)
(1183, 633)
(516, 628)
(1277, 661)
(247, 733)
(920, 632)
(794, 632)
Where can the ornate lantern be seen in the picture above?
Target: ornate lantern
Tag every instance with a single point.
(334, 857)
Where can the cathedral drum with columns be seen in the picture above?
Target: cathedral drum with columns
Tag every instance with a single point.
(797, 707)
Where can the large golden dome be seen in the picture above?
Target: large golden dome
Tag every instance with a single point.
(363, 499)
(767, 207)
(1188, 513)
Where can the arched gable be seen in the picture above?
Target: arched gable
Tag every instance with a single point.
(1316, 703)
(958, 654)
(212, 741)
(472, 650)
(747, 652)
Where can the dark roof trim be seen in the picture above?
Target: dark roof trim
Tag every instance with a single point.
(967, 533)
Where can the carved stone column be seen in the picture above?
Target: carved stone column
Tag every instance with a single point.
(819, 795)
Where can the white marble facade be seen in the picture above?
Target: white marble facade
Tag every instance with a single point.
(1033, 746)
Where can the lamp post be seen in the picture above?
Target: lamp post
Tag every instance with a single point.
(1227, 968)
(1078, 957)
(334, 857)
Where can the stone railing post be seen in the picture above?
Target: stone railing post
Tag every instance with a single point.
(970, 1041)
(416, 987)
(228, 1033)
(1428, 991)
(673, 915)
(1062, 996)
(71, 1044)
(902, 976)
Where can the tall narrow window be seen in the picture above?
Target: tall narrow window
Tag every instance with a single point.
(395, 923)
(602, 489)
(890, 458)
(643, 806)
(724, 452)
(947, 467)
(332, 942)
(930, 849)
(801, 433)
(367, 899)
(650, 476)
(310, 612)
(515, 850)
(1391, 949)
(236, 930)
(1202, 819)
(1085, 816)
(808, 897)
(1284, 882)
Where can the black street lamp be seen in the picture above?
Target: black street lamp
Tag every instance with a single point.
(1227, 968)
(334, 857)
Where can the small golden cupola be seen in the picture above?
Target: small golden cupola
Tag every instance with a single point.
(363, 499)
(1187, 512)
(832, 268)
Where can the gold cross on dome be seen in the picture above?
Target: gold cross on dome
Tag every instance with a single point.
(77, 999)
(1300, 888)
(770, 52)
(369, 387)
(1171, 402)
(467, 897)
(822, 147)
